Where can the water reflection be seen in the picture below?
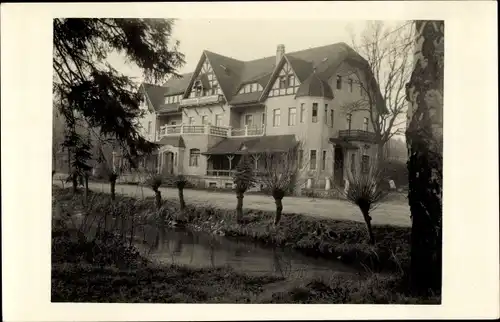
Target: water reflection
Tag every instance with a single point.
(174, 246)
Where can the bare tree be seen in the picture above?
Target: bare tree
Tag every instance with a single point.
(243, 179)
(387, 52)
(366, 190)
(281, 174)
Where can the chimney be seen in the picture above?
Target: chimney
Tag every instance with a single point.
(280, 51)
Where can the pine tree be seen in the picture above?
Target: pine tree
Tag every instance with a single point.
(90, 93)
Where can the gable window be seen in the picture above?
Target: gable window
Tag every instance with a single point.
(353, 163)
(276, 117)
(348, 118)
(191, 120)
(194, 157)
(204, 120)
(326, 114)
(248, 120)
(350, 85)
(282, 82)
(291, 81)
(332, 117)
(198, 89)
(292, 116)
(218, 120)
(365, 163)
(312, 165)
(302, 112)
(315, 113)
(339, 82)
(215, 89)
(365, 124)
(323, 160)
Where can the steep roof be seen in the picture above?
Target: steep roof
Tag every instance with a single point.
(155, 95)
(232, 73)
(176, 141)
(314, 86)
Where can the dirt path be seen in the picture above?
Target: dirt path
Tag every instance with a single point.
(395, 213)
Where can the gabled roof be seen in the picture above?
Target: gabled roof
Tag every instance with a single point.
(314, 86)
(232, 73)
(154, 94)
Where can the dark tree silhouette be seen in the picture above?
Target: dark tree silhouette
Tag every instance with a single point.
(243, 179)
(92, 94)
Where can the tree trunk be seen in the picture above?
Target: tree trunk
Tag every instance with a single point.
(279, 209)
(368, 221)
(74, 181)
(278, 195)
(380, 153)
(113, 185)
(239, 206)
(158, 199)
(424, 141)
(181, 198)
(86, 187)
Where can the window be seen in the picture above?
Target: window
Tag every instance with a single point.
(365, 163)
(302, 111)
(248, 88)
(282, 82)
(191, 120)
(326, 114)
(291, 80)
(323, 160)
(312, 166)
(173, 123)
(365, 124)
(339, 82)
(248, 120)
(292, 116)
(198, 89)
(194, 156)
(301, 159)
(332, 117)
(350, 85)
(214, 89)
(263, 119)
(276, 117)
(218, 120)
(315, 113)
(254, 87)
(348, 117)
(149, 127)
(353, 164)
(204, 120)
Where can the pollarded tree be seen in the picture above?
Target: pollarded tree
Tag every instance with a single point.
(243, 179)
(424, 137)
(281, 174)
(366, 190)
(93, 94)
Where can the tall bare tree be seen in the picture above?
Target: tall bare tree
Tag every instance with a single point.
(387, 51)
(424, 137)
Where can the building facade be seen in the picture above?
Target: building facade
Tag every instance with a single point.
(203, 119)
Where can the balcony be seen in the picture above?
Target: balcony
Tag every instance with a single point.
(357, 135)
(202, 100)
(223, 131)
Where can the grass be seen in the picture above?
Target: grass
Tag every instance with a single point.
(105, 269)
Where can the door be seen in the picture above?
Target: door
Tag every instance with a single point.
(338, 166)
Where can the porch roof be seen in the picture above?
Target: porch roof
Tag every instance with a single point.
(175, 141)
(262, 144)
(343, 143)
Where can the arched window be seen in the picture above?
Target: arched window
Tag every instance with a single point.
(194, 157)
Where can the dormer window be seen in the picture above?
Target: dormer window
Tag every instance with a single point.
(339, 82)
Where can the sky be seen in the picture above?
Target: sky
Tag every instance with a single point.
(250, 39)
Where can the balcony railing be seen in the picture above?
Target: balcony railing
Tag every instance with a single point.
(224, 131)
(230, 173)
(202, 100)
(357, 135)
